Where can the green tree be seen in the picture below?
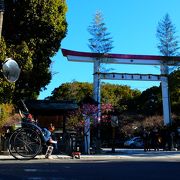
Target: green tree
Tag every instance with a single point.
(111, 94)
(150, 101)
(174, 85)
(2, 50)
(76, 91)
(6, 112)
(6, 88)
(168, 44)
(117, 95)
(33, 30)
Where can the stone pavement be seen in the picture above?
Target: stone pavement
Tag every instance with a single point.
(130, 154)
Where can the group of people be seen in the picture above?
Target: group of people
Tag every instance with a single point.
(158, 138)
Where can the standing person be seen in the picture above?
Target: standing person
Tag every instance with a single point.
(50, 141)
(51, 128)
(146, 140)
(48, 136)
(155, 138)
(164, 138)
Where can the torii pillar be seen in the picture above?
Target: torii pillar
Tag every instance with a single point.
(97, 58)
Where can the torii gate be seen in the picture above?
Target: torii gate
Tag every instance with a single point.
(97, 58)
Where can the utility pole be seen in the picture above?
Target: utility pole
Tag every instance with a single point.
(1, 15)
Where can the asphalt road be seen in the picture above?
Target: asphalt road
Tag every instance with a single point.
(121, 169)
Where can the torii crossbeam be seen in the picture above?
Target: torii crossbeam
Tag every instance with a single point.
(120, 58)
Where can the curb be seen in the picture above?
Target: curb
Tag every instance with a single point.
(121, 154)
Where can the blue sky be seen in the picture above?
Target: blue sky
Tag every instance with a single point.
(132, 25)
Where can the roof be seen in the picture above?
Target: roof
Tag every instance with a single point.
(50, 107)
(119, 58)
(110, 55)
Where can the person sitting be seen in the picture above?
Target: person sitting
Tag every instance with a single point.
(51, 128)
(47, 136)
(28, 118)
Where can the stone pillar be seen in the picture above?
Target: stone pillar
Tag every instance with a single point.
(97, 98)
(97, 88)
(165, 95)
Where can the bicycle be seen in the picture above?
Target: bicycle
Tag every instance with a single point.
(26, 142)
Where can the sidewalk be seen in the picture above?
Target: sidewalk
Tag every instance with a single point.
(134, 154)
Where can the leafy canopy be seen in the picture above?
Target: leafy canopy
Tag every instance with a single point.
(33, 31)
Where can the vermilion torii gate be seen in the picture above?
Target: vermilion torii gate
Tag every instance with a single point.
(97, 59)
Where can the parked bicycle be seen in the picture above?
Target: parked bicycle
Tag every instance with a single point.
(27, 141)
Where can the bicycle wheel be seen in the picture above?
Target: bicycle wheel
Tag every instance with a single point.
(11, 148)
(25, 144)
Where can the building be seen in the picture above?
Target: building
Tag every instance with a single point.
(48, 111)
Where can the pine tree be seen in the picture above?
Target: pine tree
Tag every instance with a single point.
(168, 44)
(100, 42)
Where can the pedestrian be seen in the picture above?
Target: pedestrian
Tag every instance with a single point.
(146, 140)
(155, 139)
(164, 138)
(47, 132)
(51, 128)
